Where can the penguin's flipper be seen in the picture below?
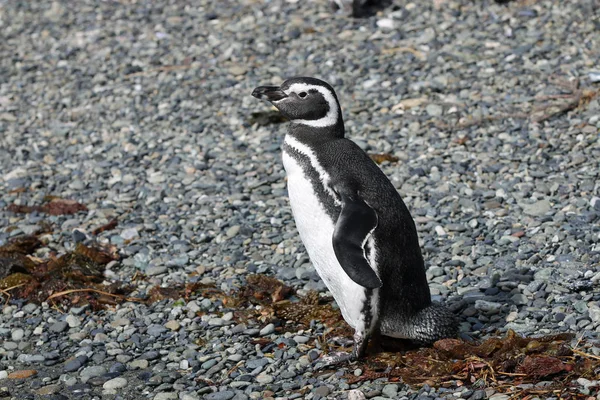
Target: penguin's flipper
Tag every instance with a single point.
(354, 226)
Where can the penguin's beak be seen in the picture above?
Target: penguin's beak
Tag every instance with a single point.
(270, 93)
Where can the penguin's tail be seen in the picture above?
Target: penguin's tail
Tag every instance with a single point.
(433, 323)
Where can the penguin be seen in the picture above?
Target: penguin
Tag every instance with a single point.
(359, 8)
(357, 231)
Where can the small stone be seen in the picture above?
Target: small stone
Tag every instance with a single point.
(237, 70)
(263, 379)
(440, 231)
(267, 330)
(594, 76)
(139, 364)
(10, 345)
(155, 270)
(322, 391)
(386, 23)
(193, 306)
(17, 334)
(542, 274)
(173, 325)
(72, 321)
(489, 307)
(59, 326)
(434, 110)
(92, 372)
(77, 184)
(537, 209)
(48, 390)
(31, 358)
(29, 308)
(512, 316)
(156, 330)
(165, 396)
(216, 322)
(356, 394)
(120, 322)
(75, 363)
(586, 383)
(130, 233)
(259, 362)
(78, 236)
(115, 383)
(206, 304)
(478, 395)
(227, 316)
(150, 355)
(224, 395)
(100, 337)
(594, 312)
(232, 231)
(7, 117)
(22, 374)
(301, 339)
(3, 375)
(78, 310)
(390, 390)
(519, 299)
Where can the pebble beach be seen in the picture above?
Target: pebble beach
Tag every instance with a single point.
(486, 117)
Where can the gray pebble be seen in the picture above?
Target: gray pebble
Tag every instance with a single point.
(59, 326)
(75, 364)
(224, 395)
(17, 334)
(91, 372)
(115, 383)
(267, 330)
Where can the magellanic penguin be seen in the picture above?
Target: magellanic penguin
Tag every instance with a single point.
(357, 231)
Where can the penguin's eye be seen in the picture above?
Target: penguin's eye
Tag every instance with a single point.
(302, 94)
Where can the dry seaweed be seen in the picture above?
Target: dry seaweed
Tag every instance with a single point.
(381, 157)
(14, 256)
(73, 278)
(502, 363)
(262, 289)
(313, 307)
(182, 291)
(112, 224)
(53, 206)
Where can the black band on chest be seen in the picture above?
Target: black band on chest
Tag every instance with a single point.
(313, 177)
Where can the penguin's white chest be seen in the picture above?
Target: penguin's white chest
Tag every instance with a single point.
(316, 231)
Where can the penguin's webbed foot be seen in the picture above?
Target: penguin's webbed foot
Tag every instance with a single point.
(358, 350)
(334, 358)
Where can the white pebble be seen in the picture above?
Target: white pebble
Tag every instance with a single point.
(73, 321)
(440, 231)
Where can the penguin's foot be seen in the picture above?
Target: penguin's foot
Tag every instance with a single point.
(334, 358)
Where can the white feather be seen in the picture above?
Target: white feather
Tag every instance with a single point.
(316, 231)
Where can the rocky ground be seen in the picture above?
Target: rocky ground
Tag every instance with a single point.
(141, 111)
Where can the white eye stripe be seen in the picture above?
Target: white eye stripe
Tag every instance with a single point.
(332, 115)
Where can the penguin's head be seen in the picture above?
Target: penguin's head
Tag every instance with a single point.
(305, 101)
